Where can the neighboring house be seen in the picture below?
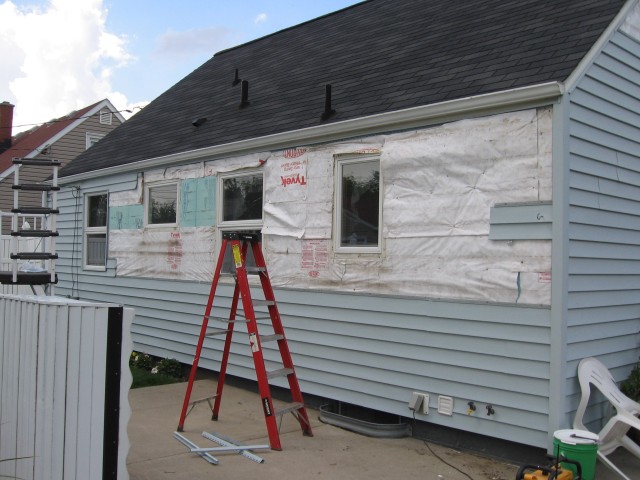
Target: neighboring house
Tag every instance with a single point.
(60, 139)
(458, 214)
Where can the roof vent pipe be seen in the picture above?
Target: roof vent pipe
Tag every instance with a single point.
(236, 80)
(328, 111)
(244, 94)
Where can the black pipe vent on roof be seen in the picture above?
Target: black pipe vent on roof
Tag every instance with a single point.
(236, 80)
(328, 111)
(244, 94)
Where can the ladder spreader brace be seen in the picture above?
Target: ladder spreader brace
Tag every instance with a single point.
(240, 242)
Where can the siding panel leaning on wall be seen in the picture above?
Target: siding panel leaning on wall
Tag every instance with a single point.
(604, 228)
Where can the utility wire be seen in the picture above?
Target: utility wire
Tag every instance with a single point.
(68, 119)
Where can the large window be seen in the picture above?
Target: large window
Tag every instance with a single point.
(239, 209)
(95, 231)
(162, 204)
(358, 205)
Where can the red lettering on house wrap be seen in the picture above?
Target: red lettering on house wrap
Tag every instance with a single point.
(293, 180)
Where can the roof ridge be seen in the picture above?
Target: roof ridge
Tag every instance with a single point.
(293, 27)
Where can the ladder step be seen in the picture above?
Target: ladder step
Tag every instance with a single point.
(290, 407)
(256, 269)
(282, 372)
(36, 187)
(27, 278)
(271, 338)
(37, 161)
(216, 331)
(34, 233)
(35, 210)
(264, 303)
(226, 320)
(34, 256)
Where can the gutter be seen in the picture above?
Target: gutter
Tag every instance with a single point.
(479, 105)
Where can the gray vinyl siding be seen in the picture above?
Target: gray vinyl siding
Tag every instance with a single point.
(604, 215)
(368, 350)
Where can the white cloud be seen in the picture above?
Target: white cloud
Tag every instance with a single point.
(260, 18)
(193, 42)
(59, 58)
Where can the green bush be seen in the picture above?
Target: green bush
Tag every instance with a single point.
(631, 386)
(143, 361)
(148, 370)
(169, 366)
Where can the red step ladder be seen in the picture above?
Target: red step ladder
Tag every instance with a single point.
(239, 243)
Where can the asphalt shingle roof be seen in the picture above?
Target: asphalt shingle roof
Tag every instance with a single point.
(379, 56)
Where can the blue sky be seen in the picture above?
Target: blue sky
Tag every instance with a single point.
(59, 55)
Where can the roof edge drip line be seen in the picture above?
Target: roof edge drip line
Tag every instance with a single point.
(519, 98)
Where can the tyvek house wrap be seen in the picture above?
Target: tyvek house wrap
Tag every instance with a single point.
(438, 187)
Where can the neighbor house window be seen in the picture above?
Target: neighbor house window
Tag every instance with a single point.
(92, 139)
(162, 204)
(239, 209)
(95, 231)
(358, 209)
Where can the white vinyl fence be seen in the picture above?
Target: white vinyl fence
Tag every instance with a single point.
(64, 383)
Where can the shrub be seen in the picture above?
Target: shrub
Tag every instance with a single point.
(631, 386)
(143, 361)
(170, 367)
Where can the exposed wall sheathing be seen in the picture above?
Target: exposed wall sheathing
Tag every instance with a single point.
(438, 186)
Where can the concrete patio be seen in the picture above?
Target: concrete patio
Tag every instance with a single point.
(332, 452)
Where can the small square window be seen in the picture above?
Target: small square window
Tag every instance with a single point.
(239, 209)
(242, 198)
(92, 138)
(162, 204)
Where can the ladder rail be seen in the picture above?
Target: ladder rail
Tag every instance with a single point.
(283, 345)
(203, 333)
(225, 354)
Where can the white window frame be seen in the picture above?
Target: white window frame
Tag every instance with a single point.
(92, 138)
(236, 225)
(147, 204)
(106, 117)
(340, 161)
(101, 230)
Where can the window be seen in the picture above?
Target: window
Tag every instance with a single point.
(95, 231)
(92, 139)
(106, 117)
(162, 204)
(358, 205)
(239, 209)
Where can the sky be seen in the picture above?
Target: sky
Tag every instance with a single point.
(62, 55)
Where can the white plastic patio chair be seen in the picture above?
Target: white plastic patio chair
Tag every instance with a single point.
(614, 433)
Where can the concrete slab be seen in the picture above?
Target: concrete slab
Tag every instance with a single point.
(332, 452)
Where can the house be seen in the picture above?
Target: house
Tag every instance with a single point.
(60, 139)
(448, 195)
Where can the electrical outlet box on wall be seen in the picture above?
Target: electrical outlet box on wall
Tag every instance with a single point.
(419, 403)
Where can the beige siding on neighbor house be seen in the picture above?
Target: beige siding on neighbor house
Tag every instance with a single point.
(64, 149)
